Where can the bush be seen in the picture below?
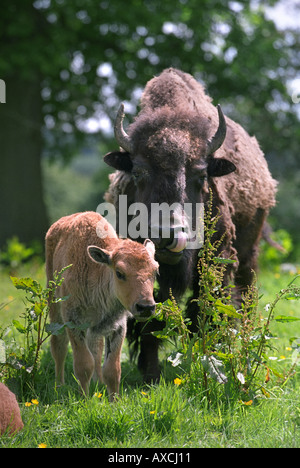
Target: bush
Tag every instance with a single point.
(15, 253)
(19, 362)
(226, 359)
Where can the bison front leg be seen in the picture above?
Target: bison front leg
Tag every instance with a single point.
(247, 246)
(112, 362)
(148, 362)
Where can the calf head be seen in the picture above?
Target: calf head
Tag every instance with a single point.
(134, 271)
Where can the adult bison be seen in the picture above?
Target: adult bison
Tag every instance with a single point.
(179, 147)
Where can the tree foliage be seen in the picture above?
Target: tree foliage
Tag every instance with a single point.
(231, 46)
(88, 55)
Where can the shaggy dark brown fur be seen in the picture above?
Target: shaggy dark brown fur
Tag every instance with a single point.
(169, 140)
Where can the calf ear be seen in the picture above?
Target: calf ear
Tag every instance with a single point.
(218, 167)
(119, 160)
(149, 246)
(99, 255)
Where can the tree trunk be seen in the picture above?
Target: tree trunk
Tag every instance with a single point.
(22, 208)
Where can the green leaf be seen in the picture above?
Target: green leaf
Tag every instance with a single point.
(224, 356)
(26, 284)
(60, 299)
(267, 394)
(227, 309)
(294, 338)
(55, 328)
(39, 307)
(286, 319)
(276, 373)
(18, 326)
(227, 261)
(292, 296)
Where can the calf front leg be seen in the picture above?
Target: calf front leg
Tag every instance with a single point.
(83, 361)
(112, 363)
(96, 344)
(59, 349)
(59, 345)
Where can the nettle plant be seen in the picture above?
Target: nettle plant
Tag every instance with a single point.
(227, 358)
(20, 357)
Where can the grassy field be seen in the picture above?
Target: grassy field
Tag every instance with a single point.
(158, 416)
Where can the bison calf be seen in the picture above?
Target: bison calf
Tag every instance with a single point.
(10, 416)
(109, 279)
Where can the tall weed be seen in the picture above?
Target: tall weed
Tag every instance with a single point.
(227, 358)
(19, 359)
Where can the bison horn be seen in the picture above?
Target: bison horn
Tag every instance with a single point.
(219, 137)
(120, 134)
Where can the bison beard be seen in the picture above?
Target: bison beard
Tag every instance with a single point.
(178, 149)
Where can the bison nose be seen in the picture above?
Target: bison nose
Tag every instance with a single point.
(144, 311)
(174, 239)
(160, 236)
(179, 242)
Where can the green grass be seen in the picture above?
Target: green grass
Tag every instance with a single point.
(163, 415)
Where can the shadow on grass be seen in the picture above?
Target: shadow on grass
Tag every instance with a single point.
(46, 390)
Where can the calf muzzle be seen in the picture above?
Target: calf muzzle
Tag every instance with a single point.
(142, 312)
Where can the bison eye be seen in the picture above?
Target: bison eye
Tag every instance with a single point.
(198, 174)
(120, 275)
(139, 173)
(199, 181)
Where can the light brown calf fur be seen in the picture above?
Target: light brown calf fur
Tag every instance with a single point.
(109, 279)
(10, 416)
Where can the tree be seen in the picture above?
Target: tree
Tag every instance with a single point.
(65, 60)
(22, 208)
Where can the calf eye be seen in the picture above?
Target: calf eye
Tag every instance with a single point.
(120, 275)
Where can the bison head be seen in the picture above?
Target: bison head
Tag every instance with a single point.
(171, 159)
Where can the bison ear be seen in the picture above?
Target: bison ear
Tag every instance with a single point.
(119, 160)
(99, 255)
(218, 167)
